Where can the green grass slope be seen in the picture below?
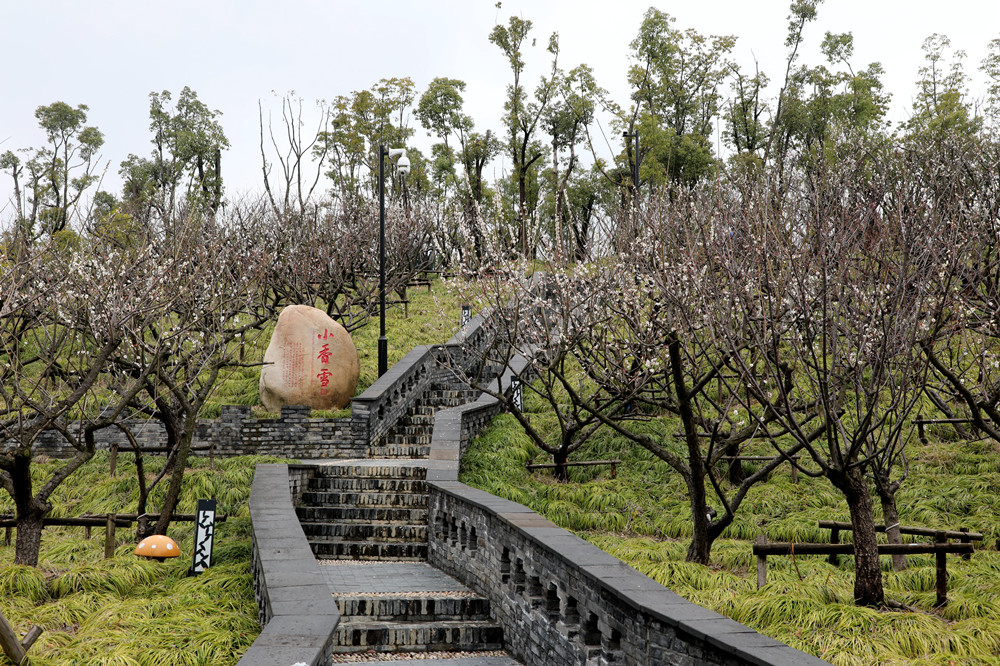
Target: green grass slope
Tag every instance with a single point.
(642, 517)
(128, 610)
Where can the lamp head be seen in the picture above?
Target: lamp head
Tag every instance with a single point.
(403, 165)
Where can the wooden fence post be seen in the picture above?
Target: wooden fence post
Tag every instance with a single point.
(834, 559)
(761, 564)
(942, 572)
(6, 536)
(965, 539)
(114, 458)
(109, 537)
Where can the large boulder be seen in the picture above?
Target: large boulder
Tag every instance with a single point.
(310, 361)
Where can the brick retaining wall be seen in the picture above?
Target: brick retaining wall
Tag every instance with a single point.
(234, 433)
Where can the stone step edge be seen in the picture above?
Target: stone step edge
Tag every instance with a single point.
(385, 500)
(411, 594)
(370, 541)
(367, 558)
(364, 521)
(380, 523)
(372, 471)
(456, 658)
(349, 622)
(466, 628)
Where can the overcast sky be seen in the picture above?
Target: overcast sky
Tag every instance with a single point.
(110, 54)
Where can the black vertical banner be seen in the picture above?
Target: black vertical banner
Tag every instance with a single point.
(517, 393)
(204, 536)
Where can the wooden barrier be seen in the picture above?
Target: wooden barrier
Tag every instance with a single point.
(582, 463)
(920, 423)
(795, 470)
(963, 534)
(110, 522)
(762, 549)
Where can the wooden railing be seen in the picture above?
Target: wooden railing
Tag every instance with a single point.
(940, 548)
(110, 522)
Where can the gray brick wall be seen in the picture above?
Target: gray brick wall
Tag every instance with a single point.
(234, 433)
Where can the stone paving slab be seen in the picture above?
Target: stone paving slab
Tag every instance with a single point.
(350, 577)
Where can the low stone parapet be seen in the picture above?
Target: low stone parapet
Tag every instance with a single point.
(297, 611)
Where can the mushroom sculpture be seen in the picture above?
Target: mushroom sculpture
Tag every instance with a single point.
(157, 547)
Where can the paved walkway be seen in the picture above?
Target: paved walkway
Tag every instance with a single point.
(351, 577)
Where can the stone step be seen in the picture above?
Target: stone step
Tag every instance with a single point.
(441, 396)
(416, 637)
(421, 410)
(367, 550)
(347, 514)
(454, 402)
(365, 532)
(365, 483)
(413, 608)
(400, 452)
(420, 419)
(371, 498)
(372, 471)
(405, 440)
(465, 659)
(436, 396)
(415, 430)
(399, 441)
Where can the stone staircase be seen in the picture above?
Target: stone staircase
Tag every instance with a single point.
(366, 522)
(366, 512)
(411, 436)
(415, 622)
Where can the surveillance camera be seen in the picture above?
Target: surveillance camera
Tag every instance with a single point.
(403, 165)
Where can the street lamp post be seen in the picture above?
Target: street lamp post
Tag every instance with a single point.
(635, 161)
(403, 165)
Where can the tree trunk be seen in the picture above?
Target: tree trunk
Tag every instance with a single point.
(887, 496)
(868, 575)
(559, 458)
(736, 474)
(701, 542)
(29, 537)
(30, 512)
(142, 527)
(177, 476)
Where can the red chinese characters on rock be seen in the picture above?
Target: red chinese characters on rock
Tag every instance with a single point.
(324, 380)
(324, 355)
(324, 358)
